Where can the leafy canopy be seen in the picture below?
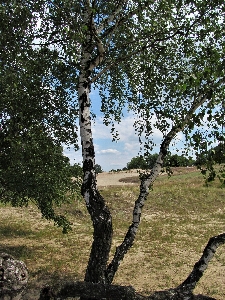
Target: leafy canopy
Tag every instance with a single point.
(161, 60)
(155, 58)
(37, 115)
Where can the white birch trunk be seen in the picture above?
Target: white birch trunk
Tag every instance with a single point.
(97, 209)
(99, 212)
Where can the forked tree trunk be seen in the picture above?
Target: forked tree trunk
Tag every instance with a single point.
(97, 270)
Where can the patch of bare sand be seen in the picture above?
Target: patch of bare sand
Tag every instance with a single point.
(116, 178)
(113, 178)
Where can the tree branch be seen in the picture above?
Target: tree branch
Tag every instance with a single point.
(101, 50)
(123, 19)
(149, 44)
(202, 264)
(146, 182)
(115, 62)
(111, 18)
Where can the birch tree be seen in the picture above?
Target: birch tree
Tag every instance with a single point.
(161, 60)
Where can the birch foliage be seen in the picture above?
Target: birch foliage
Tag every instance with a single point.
(161, 60)
(151, 57)
(37, 116)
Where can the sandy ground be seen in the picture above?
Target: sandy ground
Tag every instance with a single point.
(112, 178)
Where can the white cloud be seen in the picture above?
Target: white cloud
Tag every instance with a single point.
(113, 155)
(108, 151)
(100, 131)
(130, 147)
(125, 130)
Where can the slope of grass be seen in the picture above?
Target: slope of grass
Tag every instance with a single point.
(177, 221)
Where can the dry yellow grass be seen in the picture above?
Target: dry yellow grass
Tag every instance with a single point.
(177, 221)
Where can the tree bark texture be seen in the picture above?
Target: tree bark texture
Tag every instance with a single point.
(99, 212)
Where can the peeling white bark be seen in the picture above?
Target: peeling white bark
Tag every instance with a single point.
(84, 110)
(97, 209)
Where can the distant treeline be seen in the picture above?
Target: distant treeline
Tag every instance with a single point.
(147, 162)
(217, 154)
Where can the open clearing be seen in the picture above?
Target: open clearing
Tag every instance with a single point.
(177, 221)
(130, 177)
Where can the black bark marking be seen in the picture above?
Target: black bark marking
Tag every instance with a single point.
(88, 165)
(88, 183)
(2, 274)
(82, 119)
(102, 223)
(85, 84)
(91, 150)
(84, 103)
(83, 100)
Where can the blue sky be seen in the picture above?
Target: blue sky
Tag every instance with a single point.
(112, 155)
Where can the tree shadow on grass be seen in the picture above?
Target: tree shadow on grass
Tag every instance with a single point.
(38, 279)
(19, 252)
(41, 281)
(12, 230)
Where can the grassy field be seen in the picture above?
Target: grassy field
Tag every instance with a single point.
(181, 214)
